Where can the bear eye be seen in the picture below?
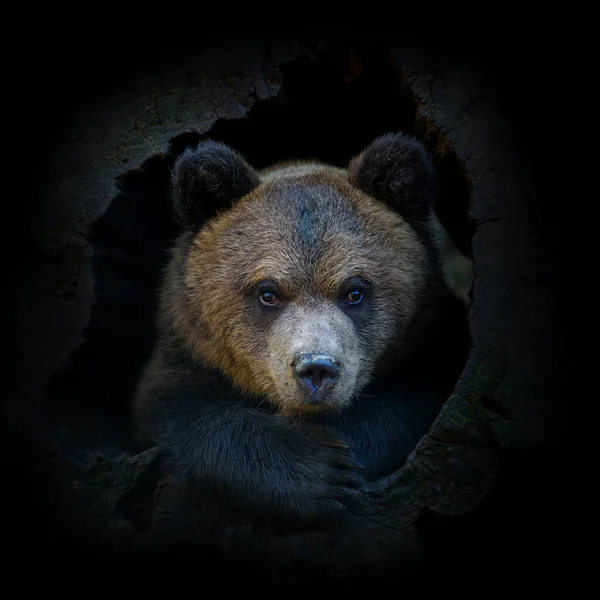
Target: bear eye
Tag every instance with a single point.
(354, 297)
(268, 298)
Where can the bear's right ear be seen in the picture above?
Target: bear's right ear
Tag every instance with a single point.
(207, 178)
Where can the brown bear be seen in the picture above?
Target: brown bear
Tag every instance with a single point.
(308, 328)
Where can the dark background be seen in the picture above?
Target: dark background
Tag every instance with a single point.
(522, 529)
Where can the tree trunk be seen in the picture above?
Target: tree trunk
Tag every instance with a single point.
(95, 237)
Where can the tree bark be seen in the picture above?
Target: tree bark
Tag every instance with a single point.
(99, 197)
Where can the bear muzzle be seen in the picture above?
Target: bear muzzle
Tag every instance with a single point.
(317, 374)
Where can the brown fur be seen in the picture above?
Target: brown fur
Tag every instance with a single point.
(258, 239)
(271, 444)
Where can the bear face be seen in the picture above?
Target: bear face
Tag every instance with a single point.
(298, 290)
(308, 328)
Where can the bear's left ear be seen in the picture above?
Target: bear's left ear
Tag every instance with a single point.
(208, 178)
(396, 169)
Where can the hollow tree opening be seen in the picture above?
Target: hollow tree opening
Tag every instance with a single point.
(500, 404)
(325, 110)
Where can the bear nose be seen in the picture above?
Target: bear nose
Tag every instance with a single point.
(316, 371)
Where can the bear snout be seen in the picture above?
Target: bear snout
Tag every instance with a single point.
(317, 373)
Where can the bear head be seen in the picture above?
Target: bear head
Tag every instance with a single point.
(297, 282)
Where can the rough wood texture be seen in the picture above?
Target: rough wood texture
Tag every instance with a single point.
(505, 402)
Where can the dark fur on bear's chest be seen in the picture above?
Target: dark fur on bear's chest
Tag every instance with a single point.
(383, 429)
(388, 419)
